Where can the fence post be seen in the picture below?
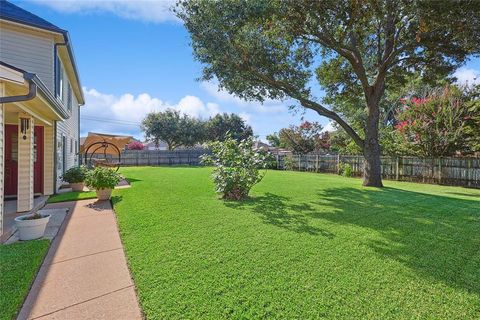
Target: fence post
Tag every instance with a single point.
(316, 163)
(299, 162)
(440, 170)
(278, 162)
(338, 163)
(397, 168)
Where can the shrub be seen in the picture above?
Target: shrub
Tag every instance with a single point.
(135, 145)
(75, 174)
(345, 169)
(237, 167)
(102, 178)
(288, 162)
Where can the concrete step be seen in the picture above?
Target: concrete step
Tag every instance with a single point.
(64, 190)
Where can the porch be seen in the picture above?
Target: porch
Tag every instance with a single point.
(10, 213)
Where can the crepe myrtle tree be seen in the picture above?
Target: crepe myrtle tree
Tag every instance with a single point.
(275, 49)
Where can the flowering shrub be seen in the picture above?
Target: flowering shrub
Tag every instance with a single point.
(437, 124)
(237, 167)
(135, 145)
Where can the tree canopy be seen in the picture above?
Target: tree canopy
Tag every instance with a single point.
(275, 49)
(226, 125)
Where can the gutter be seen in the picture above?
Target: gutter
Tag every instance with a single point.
(36, 86)
(32, 91)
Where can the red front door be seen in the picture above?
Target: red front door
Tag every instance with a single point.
(11, 160)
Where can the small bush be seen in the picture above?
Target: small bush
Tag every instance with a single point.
(102, 178)
(75, 174)
(345, 169)
(288, 163)
(237, 167)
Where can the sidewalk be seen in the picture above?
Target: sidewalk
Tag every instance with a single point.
(85, 274)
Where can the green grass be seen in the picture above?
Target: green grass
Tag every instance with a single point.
(19, 264)
(305, 246)
(72, 196)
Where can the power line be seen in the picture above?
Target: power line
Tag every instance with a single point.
(113, 121)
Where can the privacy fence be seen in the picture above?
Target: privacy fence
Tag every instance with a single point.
(448, 171)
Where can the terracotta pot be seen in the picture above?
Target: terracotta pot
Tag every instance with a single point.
(31, 229)
(77, 186)
(104, 194)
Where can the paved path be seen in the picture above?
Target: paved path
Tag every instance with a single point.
(85, 274)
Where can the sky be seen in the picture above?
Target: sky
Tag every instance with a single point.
(135, 57)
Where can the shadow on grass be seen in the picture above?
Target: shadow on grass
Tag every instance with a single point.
(281, 212)
(437, 237)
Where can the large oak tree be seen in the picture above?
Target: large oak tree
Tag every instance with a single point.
(276, 49)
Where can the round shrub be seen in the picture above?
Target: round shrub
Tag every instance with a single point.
(237, 167)
(75, 174)
(102, 178)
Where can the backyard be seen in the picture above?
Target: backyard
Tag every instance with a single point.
(304, 245)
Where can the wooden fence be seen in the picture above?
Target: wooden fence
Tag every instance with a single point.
(448, 171)
(154, 157)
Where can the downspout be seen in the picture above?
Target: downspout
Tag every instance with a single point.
(55, 160)
(55, 151)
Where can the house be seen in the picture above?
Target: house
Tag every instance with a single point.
(40, 99)
(150, 145)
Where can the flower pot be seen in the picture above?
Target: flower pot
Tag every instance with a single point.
(31, 229)
(104, 194)
(78, 186)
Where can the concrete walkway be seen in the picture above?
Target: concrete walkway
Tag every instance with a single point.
(85, 274)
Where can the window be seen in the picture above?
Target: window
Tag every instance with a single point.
(59, 78)
(69, 98)
(71, 145)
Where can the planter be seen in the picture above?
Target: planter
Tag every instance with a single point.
(31, 229)
(78, 186)
(104, 194)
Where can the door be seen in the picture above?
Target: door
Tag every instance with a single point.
(11, 159)
(38, 160)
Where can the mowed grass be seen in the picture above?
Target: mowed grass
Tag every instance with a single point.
(19, 263)
(305, 246)
(72, 196)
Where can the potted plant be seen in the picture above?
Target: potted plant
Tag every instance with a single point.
(75, 177)
(103, 180)
(32, 226)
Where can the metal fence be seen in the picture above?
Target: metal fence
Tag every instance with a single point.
(448, 171)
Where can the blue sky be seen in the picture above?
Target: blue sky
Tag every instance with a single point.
(134, 57)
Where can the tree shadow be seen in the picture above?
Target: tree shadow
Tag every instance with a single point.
(436, 236)
(279, 211)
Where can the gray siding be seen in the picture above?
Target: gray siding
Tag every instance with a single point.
(68, 129)
(31, 52)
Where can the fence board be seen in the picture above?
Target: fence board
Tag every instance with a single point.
(448, 171)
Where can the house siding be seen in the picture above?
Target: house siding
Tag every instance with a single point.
(28, 50)
(2, 156)
(25, 165)
(69, 129)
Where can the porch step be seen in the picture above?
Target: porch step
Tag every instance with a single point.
(64, 190)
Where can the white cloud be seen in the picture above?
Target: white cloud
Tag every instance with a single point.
(268, 106)
(467, 75)
(145, 10)
(329, 127)
(123, 114)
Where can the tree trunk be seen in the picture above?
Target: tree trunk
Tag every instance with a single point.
(372, 174)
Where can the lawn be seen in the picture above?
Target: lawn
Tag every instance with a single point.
(305, 246)
(19, 264)
(72, 196)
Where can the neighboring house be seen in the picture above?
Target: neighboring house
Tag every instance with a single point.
(152, 146)
(95, 138)
(40, 95)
